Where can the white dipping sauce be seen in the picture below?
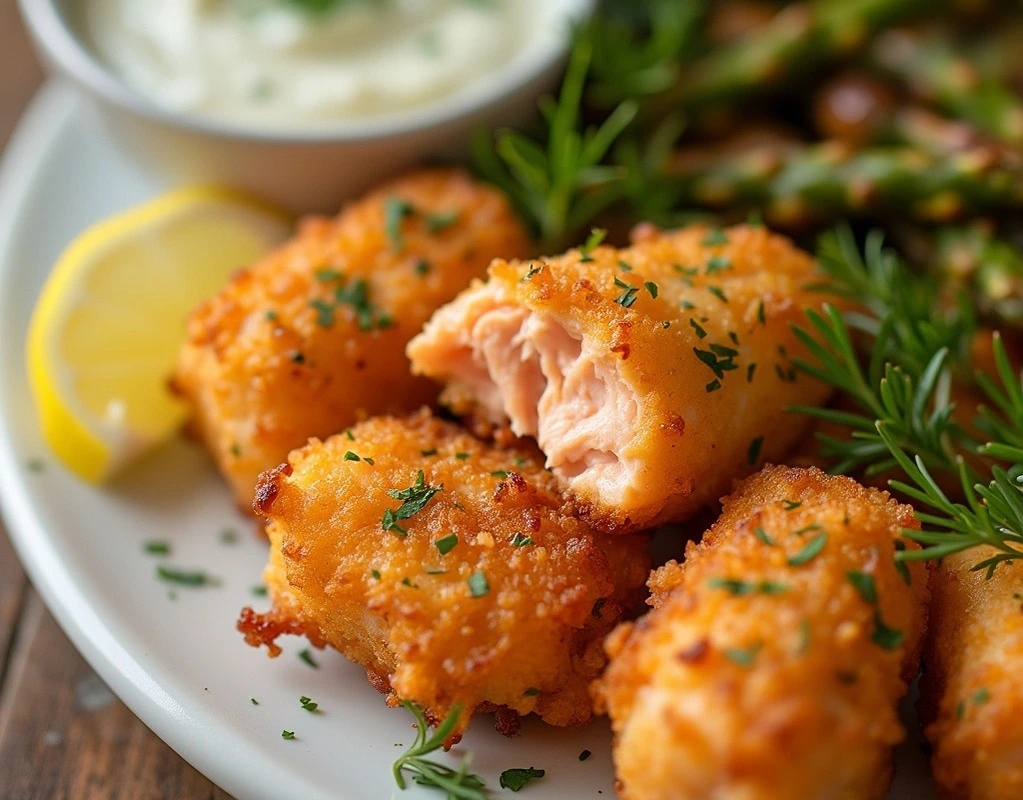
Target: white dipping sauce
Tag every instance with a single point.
(304, 62)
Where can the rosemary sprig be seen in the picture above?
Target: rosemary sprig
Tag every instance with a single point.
(905, 420)
(559, 183)
(457, 784)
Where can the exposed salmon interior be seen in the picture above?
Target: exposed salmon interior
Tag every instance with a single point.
(532, 369)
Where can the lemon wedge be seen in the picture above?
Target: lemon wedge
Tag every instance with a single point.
(107, 327)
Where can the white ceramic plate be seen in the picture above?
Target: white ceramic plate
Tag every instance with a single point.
(178, 663)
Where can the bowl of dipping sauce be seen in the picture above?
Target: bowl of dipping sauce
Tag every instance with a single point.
(305, 102)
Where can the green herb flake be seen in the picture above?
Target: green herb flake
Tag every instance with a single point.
(715, 238)
(349, 435)
(624, 266)
(584, 755)
(422, 267)
(462, 456)
(532, 691)
(270, 315)
(761, 313)
(743, 656)
(431, 452)
(628, 297)
(297, 357)
(478, 586)
(259, 591)
(406, 581)
(761, 534)
(440, 221)
(35, 465)
(753, 451)
(516, 779)
(375, 573)
(981, 696)
(307, 656)
(183, 577)
(864, 585)
(308, 704)
(652, 288)
(287, 735)
(326, 275)
(254, 701)
(883, 636)
(809, 552)
(396, 211)
(700, 331)
(228, 536)
(718, 292)
(157, 547)
(324, 313)
(499, 473)
(447, 543)
(533, 270)
(414, 500)
(521, 540)
(592, 243)
(750, 370)
(718, 264)
(350, 456)
(740, 588)
(790, 505)
(713, 386)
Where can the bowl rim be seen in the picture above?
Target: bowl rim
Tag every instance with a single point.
(65, 49)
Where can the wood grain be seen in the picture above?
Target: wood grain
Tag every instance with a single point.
(63, 735)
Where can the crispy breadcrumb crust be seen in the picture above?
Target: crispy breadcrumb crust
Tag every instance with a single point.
(740, 289)
(971, 695)
(261, 370)
(773, 688)
(530, 643)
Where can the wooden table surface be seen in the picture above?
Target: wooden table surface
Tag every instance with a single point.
(63, 735)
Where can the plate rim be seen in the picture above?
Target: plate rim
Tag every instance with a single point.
(244, 774)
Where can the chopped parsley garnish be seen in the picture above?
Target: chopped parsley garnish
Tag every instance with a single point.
(499, 473)
(809, 552)
(592, 242)
(462, 456)
(625, 266)
(254, 701)
(532, 691)
(901, 566)
(157, 547)
(628, 297)
(761, 314)
(761, 534)
(308, 704)
(184, 577)
(584, 755)
(446, 543)
(297, 357)
(287, 735)
(883, 636)
(356, 297)
(713, 386)
(515, 779)
(864, 585)
(406, 581)
(431, 452)
(521, 540)
(743, 656)
(228, 536)
(652, 288)
(350, 456)
(375, 573)
(326, 275)
(700, 331)
(35, 465)
(533, 270)
(790, 505)
(981, 696)
(259, 590)
(435, 223)
(733, 336)
(740, 588)
(457, 783)
(414, 500)
(753, 452)
(395, 212)
(478, 586)
(270, 314)
(306, 656)
(718, 292)
(718, 264)
(715, 237)
(422, 267)
(324, 313)
(750, 370)
(718, 358)
(813, 526)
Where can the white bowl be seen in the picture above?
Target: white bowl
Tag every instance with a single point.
(306, 170)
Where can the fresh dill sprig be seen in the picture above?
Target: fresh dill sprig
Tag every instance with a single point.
(458, 784)
(560, 182)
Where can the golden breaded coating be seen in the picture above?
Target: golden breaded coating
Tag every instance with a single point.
(772, 664)
(490, 594)
(650, 376)
(972, 693)
(311, 337)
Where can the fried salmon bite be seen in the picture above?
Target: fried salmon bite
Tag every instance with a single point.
(971, 694)
(450, 570)
(307, 339)
(650, 376)
(773, 661)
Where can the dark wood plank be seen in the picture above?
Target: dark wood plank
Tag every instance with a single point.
(64, 735)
